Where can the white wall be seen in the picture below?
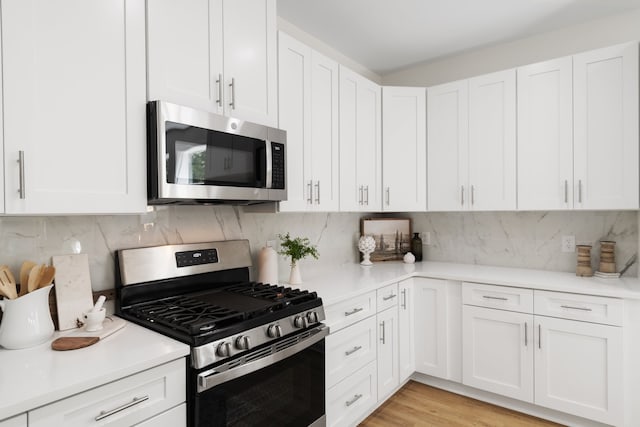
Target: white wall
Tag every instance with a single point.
(590, 35)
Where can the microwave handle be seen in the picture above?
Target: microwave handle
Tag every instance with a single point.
(269, 165)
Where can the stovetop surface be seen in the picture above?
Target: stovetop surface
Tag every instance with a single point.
(206, 316)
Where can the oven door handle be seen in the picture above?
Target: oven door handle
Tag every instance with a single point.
(214, 377)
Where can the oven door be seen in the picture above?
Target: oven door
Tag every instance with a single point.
(281, 384)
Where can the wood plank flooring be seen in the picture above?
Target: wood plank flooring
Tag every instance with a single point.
(418, 404)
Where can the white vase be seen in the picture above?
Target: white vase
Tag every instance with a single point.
(294, 277)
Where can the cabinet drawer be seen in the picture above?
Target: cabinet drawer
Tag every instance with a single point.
(174, 417)
(348, 312)
(502, 297)
(123, 402)
(588, 308)
(350, 400)
(350, 349)
(387, 296)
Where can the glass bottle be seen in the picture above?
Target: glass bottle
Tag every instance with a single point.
(416, 246)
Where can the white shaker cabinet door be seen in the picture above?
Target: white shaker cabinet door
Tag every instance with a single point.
(492, 141)
(497, 348)
(579, 368)
(184, 50)
(388, 365)
(447, 147)
(406, 329)
(606, 128)
(250, 55)
(545, 135)
(404, 146)
(74, 106)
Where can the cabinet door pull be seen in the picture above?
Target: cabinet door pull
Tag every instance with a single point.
(526, 334)
(232, 85)
(366, 193)
(404, 299)
(579, 191)
(354, 311)
(496, 298)
(135, 401)
(21, 190)
(539, 336)
(388, 297)
(388, 198)
(354, 400)
(462, 195)
(353, 350)
(473, 195)
(310, 192)
(575, 308)
(361, 201)
(318, 192)
(566, 191)
(382, 338)
(219, 82)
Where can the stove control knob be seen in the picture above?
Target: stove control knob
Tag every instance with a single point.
(312, 317)
(223, 349)
(243, 343)
(300, 322)
(274, 331)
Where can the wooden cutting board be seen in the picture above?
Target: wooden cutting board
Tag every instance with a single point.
(73, 289)
(81, 338)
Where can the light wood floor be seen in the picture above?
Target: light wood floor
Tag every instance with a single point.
(417, 404)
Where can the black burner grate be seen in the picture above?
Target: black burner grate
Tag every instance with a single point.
(278, 294)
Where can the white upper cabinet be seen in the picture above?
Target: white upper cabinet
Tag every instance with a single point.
(545, 135)
(74, 106)
(308, 84)
(215, 55)
(360, 143)
(447, 146)
(605, 112)
(492, 141)
(404, 133)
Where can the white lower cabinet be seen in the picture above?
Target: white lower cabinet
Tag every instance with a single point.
(388, 364)
(406, 330)
(173, 417)
(350, 349)
(350, 400)
(17, 421)
(126, 402)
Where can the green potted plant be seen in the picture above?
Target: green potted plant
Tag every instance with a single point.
(296, 248)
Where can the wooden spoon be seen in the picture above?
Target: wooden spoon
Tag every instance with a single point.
(7, 283)
(34, 277)
(46, 277)
(24, 276)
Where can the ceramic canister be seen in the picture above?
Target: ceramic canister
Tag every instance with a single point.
(26, 320)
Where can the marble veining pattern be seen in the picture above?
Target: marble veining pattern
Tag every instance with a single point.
(522, 239)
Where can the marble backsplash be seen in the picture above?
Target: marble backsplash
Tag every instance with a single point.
(528, 239)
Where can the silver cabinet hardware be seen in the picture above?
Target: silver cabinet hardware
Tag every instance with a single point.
(366, 193)
(388, 199)
(496, 298)
(232, 85)
(353, 350)
(219, 82)
(575, 308)
(310, 192)
(539, 336)
(566, 191)
(318, 192)
(361, 201)
(354, 311)
(462, 195)
(135, 401)
(388, 297)
(579, 191)
(382, 337)
(21, 190)
(354, 400)
(526, 334)
(473, 195)
(404, 299)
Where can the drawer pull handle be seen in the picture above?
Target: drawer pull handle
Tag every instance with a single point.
(135, 401)
(354, 311)
(526, 334)
(350, 352)
(354, 400)
(404, 299)
(497, 298)
(387, 298)
(570, 307)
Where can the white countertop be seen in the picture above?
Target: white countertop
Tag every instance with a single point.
(350, 280)
(36, 376)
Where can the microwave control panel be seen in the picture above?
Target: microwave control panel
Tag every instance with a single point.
(277, 159)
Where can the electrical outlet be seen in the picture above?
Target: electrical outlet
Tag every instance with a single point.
(568, 244)
(426, 238)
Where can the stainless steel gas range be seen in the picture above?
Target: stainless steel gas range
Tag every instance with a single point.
(257, 350)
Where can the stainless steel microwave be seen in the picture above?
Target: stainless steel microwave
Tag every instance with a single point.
(199, 157)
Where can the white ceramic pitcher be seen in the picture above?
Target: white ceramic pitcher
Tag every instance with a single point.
(26, 321)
